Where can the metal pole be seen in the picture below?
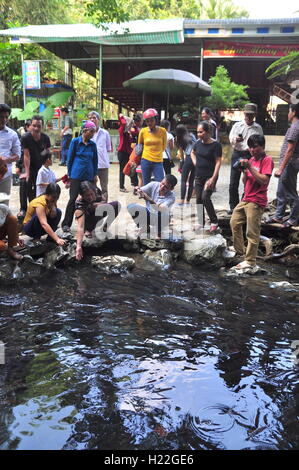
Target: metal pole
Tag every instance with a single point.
(23, 78)
(100, 78)
(201, 60)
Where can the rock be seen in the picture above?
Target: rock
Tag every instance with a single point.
(93, 242)
(37, 248)
(64, 235)
(112, 264)
(24, 270)
(205, 250)
(283, 285)
(161, 257)
(171, 244)
(267, 243)
(254, 270)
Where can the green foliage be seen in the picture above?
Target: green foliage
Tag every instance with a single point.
(32, 107)
(26, 12)
(215, 9)
(284, 65)
(60, 98)
(225, 93)
(101, 11)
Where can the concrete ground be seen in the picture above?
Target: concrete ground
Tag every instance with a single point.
(220, 197)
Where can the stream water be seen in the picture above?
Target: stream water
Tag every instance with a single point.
(177, 359)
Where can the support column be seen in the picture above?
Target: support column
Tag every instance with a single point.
(23, 78)
(201, 60)
(100, 79)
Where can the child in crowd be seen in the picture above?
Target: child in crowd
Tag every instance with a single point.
(45, 175)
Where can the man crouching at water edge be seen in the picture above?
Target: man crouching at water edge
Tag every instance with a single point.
(256, 177)
(43, 216)
(159, 198)
(90, 209)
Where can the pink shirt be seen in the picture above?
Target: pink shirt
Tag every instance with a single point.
(253, 191)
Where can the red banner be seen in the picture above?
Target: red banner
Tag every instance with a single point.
(244, 49)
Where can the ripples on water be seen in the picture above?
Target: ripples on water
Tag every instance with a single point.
(179, 359)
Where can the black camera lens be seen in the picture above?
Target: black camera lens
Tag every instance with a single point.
(237, 165)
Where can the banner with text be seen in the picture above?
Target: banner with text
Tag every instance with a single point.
(244, 49)
(31, 75)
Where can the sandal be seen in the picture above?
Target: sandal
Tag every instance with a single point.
(124, 190)
(273, 220)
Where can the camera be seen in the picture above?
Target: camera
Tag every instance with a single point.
(237, 165)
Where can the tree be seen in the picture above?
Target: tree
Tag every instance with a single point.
(22, 13)
(283, 66)
(215, 9)
(101, 11)
(225, 93)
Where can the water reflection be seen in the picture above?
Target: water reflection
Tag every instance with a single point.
(168, 360)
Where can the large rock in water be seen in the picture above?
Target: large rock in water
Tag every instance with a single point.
(161, 258)
(60, 255)
(26, 270)
(112, 264)
(205, 250)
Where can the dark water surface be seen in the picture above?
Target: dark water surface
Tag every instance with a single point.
(178, 359)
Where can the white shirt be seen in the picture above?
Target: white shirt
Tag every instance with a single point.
(152, 189)
(9, 145)
(167, 153)
(104, 145)
(4, 212)
(242, 128)
(44, 175)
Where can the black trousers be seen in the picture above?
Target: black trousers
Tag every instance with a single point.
(235, 178)
(188, 171)
(23, 194)
(203, 199)
(167, 166)
(70, 208)
(123, 158)
(31, 184)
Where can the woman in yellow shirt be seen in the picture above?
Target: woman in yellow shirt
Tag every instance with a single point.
(154, 140)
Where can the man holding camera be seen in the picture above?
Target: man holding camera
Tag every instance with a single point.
(238, 137)
(256, 177)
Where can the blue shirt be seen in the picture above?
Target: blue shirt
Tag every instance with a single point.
(82, 160)
(9, 145)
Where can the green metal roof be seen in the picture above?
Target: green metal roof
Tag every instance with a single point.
(132, 32)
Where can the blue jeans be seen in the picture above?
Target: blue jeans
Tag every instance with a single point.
(65, 143)
(148, 168)
(34, 229)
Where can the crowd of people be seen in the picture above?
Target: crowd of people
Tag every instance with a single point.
(147, 146)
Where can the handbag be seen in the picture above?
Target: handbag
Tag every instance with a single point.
(134, 160)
